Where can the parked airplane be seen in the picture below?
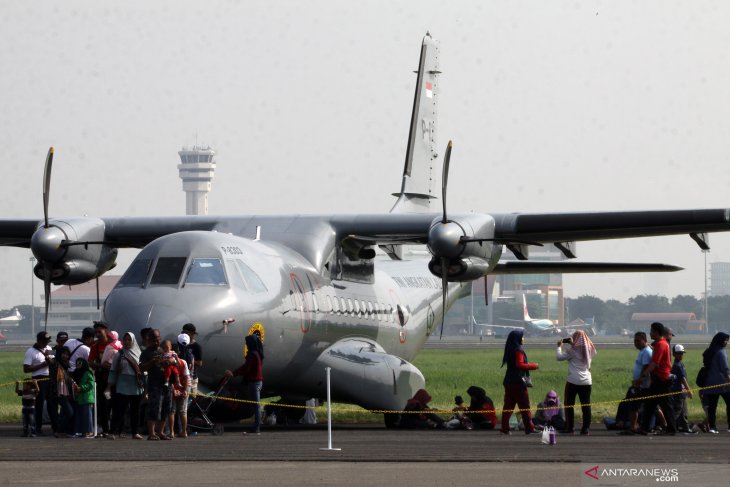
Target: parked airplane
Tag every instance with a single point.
(11, 320)
(536, 326)
(312, 284)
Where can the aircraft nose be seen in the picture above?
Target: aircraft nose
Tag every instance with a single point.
(167, 318)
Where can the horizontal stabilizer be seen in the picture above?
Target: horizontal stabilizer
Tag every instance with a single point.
(527, 267)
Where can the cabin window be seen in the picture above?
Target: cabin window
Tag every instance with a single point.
(371, 310)
(357, 307)
(253, 281)
(168, 270)
(137, 273)
(206, 271)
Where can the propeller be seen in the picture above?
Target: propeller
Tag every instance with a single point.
(444, 220)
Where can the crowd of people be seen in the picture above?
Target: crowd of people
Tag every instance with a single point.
(148, 386)
(656, 401)
(135, 387)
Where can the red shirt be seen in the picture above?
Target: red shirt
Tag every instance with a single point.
(251, 369)
(521, 363)
(662, 359)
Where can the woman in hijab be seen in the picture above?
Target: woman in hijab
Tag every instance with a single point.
(718, 376)
(550, 412)
(579, 357)
(481, 409)
(126, 376)
(253, 377)
(64, 389)
(516, 381)
(425, 418)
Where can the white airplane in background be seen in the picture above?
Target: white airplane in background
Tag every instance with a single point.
(11, 320)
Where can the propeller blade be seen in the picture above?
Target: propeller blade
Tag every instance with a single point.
(486, 291)
(445, 178)
(47, 270)
(444, 291)
(47, 184)
(97, 293)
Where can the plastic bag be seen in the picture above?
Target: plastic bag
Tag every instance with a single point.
(546, 436)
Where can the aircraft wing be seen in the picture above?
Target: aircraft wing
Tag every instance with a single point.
(560, 227)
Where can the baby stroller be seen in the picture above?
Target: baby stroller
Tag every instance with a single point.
(200, 407)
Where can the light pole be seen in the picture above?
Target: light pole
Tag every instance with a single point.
(707, 323)
(32, 296)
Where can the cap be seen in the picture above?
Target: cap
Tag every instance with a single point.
(87, 333)
(42, 336)
(101, 323)
(678, 348)
(189, 327)
(183, 339)
(61, 335)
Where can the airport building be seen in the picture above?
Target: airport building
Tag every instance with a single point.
(74, 307)
(719, 279)
(196, 169)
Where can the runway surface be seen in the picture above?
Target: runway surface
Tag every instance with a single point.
(381, 456)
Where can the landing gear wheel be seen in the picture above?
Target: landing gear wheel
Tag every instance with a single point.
(391, 420)
(217, 430)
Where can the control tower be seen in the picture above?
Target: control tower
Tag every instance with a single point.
(197, 165)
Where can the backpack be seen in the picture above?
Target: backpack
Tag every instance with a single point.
(701, 379)
(186, 353)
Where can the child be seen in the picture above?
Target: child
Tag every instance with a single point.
(169, 364)
(84, 396)
(459, 418)
(28, 391)
(681, 387)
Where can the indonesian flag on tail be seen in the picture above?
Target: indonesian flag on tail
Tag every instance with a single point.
(429, 89)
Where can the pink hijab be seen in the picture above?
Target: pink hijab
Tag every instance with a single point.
(583, 347)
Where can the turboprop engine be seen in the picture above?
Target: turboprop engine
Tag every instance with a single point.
(463, 248)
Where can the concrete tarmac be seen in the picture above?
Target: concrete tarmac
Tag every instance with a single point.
(370, 455)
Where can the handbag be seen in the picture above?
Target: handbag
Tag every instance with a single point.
(526, 380)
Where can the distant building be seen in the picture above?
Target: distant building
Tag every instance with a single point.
(74, 308)
(680, 323)
(719, 279)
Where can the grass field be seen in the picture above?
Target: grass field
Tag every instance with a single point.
(451, 372)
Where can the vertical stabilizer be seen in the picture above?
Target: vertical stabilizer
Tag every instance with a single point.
(524, 305)
(417, 187)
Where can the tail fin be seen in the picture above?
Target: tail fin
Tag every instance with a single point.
(417, 187)
(524, 304)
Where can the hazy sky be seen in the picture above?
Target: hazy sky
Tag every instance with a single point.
(552, 106)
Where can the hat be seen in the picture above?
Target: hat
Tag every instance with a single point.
(62, 335)
(678, 348)
(189, 327)
(42, 335)
(101, 323)
(88, 332)
(183, 339)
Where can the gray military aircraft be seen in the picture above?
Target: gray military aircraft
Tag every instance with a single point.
(315, 286)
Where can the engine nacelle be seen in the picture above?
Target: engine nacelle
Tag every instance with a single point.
(72, 250)
(467, 260)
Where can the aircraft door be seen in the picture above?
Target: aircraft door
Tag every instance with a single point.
(302, 302)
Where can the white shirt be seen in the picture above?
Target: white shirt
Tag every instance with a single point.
(33, 357)
(578, 372)
(81, 352)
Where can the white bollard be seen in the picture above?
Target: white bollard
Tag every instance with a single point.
(329, 415)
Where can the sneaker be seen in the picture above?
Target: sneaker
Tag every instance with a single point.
(713, 432)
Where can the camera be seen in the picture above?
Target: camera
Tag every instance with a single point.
(567, 340)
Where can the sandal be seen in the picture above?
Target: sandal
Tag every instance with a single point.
(153, 438)
(165, 437)
(137, 436)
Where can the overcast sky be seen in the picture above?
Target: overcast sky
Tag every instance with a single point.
(552, 106)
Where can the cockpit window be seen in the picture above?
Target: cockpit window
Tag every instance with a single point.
(168, 270)
(137, 273)
(253, 281)
(206, 271)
